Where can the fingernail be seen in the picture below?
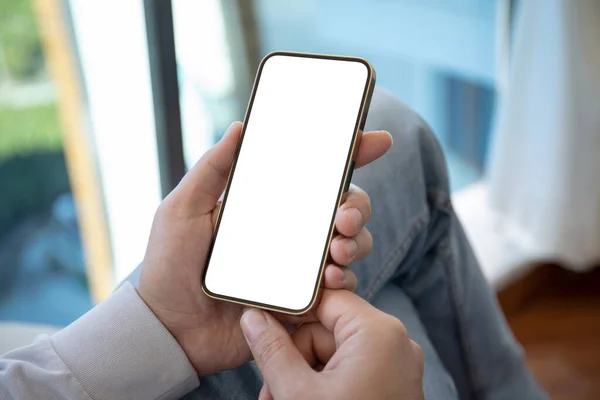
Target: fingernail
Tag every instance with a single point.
(344, 276)
(355, 216)
(347, 273)
(391, 137)
(351, 247)
(253, 322)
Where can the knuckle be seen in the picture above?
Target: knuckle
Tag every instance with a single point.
(170, 205)
(164, 208)
(350, 327)
(268, 349)
(418, 353)
(398, 329)
(416, 348)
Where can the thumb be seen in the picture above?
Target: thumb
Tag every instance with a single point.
(203, 184)
(277, 357)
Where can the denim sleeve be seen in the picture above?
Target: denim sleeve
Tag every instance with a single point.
(118, 350)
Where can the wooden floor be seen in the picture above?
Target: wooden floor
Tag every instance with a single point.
(556, 316)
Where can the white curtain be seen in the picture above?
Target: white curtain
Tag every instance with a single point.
(544, 173)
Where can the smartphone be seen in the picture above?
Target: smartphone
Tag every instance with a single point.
(293, 164)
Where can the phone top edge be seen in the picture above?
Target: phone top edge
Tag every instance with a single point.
(370, 69)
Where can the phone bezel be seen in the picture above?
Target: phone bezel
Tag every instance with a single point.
(360, 121)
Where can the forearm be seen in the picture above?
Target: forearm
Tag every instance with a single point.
(117, 350)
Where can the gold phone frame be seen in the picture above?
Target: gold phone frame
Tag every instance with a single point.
(344, 184)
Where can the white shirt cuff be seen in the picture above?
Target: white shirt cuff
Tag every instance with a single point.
(120, 350)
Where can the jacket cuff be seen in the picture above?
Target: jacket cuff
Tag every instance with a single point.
(120, 350)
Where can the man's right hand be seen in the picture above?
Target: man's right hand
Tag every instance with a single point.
(355, 352)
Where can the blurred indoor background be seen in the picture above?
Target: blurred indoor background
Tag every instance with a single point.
(105, 104)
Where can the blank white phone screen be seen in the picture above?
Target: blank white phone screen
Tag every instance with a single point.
(278, 211)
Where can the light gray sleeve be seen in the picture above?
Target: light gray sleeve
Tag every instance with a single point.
(118, 350)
